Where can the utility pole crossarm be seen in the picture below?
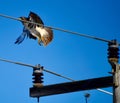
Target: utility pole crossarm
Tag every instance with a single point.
(71, 86)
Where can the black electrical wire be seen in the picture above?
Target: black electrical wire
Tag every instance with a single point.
(28, 65)
(55, 28)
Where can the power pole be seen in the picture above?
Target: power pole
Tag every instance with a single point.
(116, 86)
(113, 60)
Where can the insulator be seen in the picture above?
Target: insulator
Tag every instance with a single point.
(37, 77)
(113, 51)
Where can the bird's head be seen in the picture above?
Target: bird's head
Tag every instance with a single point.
(23, 19)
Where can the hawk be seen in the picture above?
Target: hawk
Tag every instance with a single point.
(35, 30)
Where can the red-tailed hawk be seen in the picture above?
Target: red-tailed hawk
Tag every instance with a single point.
(43, 34)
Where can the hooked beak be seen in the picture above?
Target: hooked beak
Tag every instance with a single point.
(23, 19)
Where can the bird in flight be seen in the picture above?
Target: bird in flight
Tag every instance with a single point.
(38, 31)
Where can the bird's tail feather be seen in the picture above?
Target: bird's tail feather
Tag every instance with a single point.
(20, 38)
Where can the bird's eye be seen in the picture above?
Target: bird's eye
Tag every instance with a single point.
(38, 25)
(30, 25)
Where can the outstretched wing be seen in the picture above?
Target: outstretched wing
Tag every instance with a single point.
(23, 35)
(35, 18)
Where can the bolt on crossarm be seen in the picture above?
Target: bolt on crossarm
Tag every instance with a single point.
(87, 95)
(113, 58)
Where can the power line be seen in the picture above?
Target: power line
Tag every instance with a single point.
(55, 28)
(105, 91)
(51, 72)
(28, 65)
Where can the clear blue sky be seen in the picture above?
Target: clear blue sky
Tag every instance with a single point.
(73, 56)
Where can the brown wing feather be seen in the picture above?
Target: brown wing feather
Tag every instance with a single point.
(35, 18)
(46, 39)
